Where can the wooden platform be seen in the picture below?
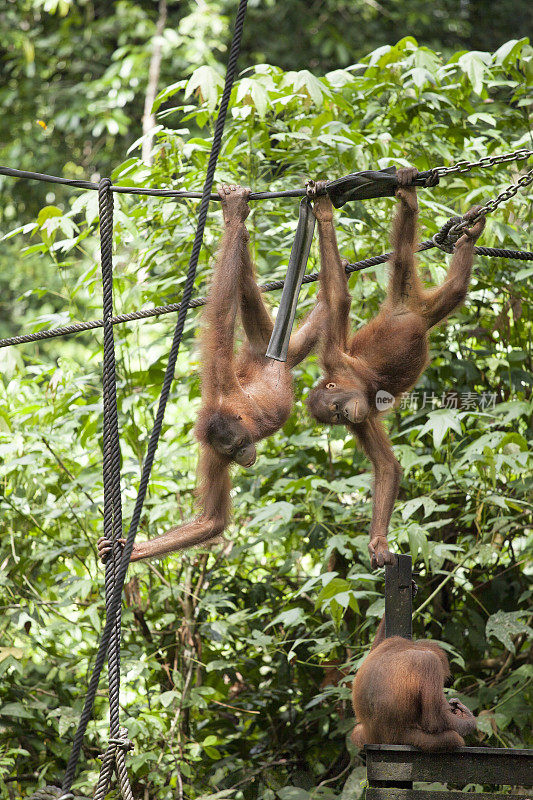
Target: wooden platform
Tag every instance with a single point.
(391, 770)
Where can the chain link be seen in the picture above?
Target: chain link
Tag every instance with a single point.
(492, 205)
(488, 161)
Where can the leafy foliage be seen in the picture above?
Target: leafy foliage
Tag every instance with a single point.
(236, 662)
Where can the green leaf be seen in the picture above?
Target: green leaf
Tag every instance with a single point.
(208, 81)
(290, 618)
(440, 422)
(293, 793)
(482, 117)
(505, 624)
(420, 76)
(281, 510)
(306, 80)
(475, 66)
(334, 587)
(48, 212)
(509, 51)
(514, 439)
(522, 274)
(418, 541)
(167, 698)
(412, 505)
(15, 710)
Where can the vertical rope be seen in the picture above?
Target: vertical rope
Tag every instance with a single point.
(105, 201)
(165, 391)
(106, 771)
(115, 759)
(112, 494)
(111, 446)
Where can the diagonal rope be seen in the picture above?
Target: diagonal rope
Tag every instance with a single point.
(116, 599)
(170, 308)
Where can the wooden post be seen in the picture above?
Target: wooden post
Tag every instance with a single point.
(398, 622)
(399, 598)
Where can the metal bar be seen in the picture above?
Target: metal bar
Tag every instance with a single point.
(399, 598)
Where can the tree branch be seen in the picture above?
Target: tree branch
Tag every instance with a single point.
(148, 119)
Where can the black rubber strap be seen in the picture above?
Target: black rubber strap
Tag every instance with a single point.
(281, 333)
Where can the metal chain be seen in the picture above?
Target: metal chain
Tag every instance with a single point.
(491, 205)
(459, 167)
(506, 194)
(488, 161)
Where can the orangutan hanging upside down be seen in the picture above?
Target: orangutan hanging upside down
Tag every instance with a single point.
(398, 697)
(245, 397)
(389, 353)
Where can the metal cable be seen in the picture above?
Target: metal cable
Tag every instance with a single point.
(140, 190)
(521, 154)
(165, 391)
(158, 311)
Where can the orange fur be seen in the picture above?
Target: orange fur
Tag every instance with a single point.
(398, 698)
(245, 397)
(388, 354)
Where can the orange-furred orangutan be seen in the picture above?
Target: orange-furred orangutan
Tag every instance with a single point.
(389, 353)
(398, 697)
(245, 397)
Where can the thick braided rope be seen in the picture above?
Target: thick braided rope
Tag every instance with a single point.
(106, 771)
(111, 475)
(165, 391)
(122, 775)
(111, 443)
(115, 759)
(170, 308)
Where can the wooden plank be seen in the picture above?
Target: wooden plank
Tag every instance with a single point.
(399, 598)
(388, 793)
(466, 765)
(405, 748)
